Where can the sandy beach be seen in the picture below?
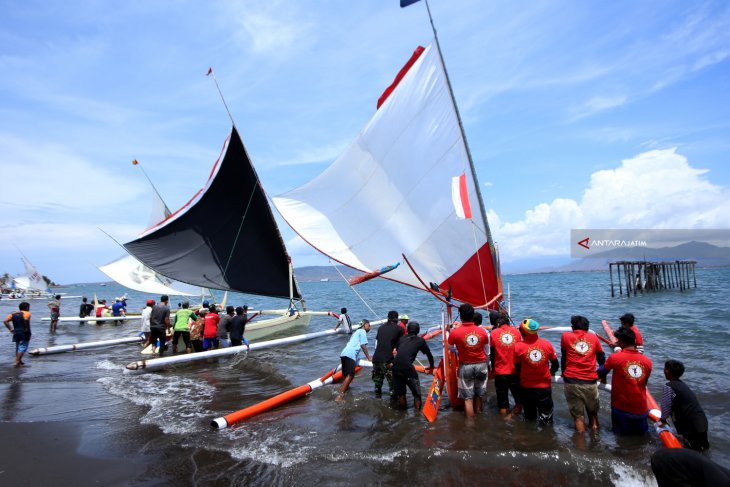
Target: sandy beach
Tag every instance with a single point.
(50, 453)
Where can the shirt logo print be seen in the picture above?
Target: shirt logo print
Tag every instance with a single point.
(634, 370)
(582, 347)
(535, 355)
(507, 339)
(472, 339)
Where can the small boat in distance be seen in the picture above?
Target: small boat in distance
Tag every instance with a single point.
(324, 279)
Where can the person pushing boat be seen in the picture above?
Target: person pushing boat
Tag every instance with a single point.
(628, 321)
(681, 404)
(631, 371)
(472, 345)
(404, 373)
(580, 351)
(350, 355)
(385, 341)
(504, 338)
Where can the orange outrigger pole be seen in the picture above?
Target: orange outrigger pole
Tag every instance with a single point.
(230, 419)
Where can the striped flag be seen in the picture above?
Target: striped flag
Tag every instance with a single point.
(135, 162)
(460, 197)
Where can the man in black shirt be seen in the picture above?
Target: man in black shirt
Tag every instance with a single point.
(238, 327)
(159, 324)
(385, 341)
(404, 373)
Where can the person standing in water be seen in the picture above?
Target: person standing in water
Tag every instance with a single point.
(631, 371)
(681, 404)
(579, 353)
(404, 373)
(55, 307)
(504, 338)
(472, 345)
(350, 355)
(20, 330)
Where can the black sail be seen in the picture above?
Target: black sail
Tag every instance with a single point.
(225, 237)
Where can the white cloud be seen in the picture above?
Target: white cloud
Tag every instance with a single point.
(655, 189)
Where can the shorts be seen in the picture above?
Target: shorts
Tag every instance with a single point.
(158, 334)
(55, 316)
(348, 367)
(582, 398)
(504, 384)
(472, 380)
(21, 346)
(209, 343)
(627, 423)
(185, 336)
(406, 378)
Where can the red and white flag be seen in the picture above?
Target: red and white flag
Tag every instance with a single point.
(460, 197)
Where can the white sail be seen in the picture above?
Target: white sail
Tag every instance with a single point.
(131, 273)
(31, 280)
(390, 193)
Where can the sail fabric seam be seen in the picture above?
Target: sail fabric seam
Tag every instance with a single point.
(181, 211)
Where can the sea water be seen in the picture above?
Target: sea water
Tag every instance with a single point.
(161, 419)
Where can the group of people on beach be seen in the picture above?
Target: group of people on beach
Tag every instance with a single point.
(200, 329)
(525, 365)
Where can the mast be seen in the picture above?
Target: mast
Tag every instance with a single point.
(463, 134)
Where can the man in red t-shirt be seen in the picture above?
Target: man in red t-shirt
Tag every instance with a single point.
(536, 363)
(627, 321)
(472, 345)
(579, 353)
(210, 328)
(631, 371)
(503, 340)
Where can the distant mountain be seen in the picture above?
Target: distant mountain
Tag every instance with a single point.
(317, 273)
(706, 255)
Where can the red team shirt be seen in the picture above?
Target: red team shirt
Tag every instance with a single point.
(639, 338)
(580, 349)
(631, 371)
(504, 340)
(470, 341)
(533, 356)
(211, 325)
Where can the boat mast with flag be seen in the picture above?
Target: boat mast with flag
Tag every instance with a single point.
(218, 242)
(406, 190)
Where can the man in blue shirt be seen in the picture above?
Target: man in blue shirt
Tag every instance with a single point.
(351, 353)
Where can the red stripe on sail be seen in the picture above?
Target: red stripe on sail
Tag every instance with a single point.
(464, 194)
(416, 54)
(466, 282)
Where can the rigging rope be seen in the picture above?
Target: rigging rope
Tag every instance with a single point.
(238, 233)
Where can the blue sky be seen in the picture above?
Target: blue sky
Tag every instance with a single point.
(578, 114)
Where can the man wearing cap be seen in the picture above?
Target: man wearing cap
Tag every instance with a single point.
(145, 328)
(403, 323)
(631, 371)
(385, 341)
(404, 373)
(536, 363)
(472, 345)
(183, 317)
(504, 338)
(579, 353)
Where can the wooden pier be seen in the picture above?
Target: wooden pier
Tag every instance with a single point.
(639, 276)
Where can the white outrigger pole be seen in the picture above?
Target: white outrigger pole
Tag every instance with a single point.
(84, 346)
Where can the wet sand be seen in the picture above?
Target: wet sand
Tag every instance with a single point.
(48, 454)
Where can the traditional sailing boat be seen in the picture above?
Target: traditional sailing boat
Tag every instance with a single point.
(402, 190)
(225, 237)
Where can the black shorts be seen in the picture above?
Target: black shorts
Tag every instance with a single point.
(504, 384)
(537, 403)
(185, 336)
(406, 378)
(348, 366)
